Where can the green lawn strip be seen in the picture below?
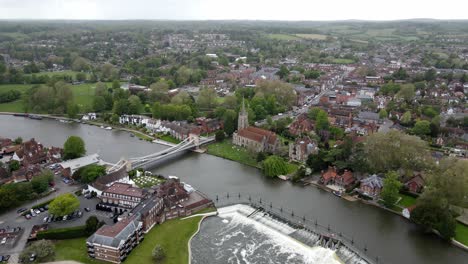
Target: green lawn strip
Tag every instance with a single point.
(461, 233)
(406, 201)
(169, 139)
(172, 235)
(74, 249)
(227, 150)
(15, 106)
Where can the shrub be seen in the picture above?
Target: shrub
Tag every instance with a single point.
(158, 254)
(63, 233)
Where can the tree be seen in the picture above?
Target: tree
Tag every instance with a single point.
(18, 140)
(407, 92)
(120, 107)
(74, 148)
(284, 93)
(207, 99)
(383, 114)
(41, 182)
(219, 136)
(99, 104)
(283, 72)
(90, 173)
(433, 214)
(101, 89)
(395, 150)
(158, 254)
(92, 224)
(80, 64)
(115, 84)
(64, 204)
(321, 121)
(274, 166)
(43, 249)
(72, 110)
(391, 188)
(14, 165)
(230, 121)
(406, 118)
(134, 105)
(159, 91)
(422, 128)
(182, 98)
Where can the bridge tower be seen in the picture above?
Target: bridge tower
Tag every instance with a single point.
(195, 139)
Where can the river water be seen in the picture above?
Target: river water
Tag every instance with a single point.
(388, 236)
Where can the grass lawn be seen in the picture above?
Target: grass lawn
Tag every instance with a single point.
(461, 233)
(229, 151)
(172, 235)
(406, 201)
(15, 106)
(169, 139)
(74, 249)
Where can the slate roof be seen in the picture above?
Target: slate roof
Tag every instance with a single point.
(373, 181)
(115, 235)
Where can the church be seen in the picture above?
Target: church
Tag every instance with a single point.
(253, 138)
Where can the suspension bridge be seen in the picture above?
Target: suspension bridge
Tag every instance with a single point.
(190, 143)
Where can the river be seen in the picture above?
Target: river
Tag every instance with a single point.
(388, 236)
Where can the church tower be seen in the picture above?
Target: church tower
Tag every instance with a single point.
(243, 120)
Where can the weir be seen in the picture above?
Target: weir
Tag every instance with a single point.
(310, 237)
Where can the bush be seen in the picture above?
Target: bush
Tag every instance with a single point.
(219, 136)
(44, 251)
(63, 233)
(274, 166)
(158, 254)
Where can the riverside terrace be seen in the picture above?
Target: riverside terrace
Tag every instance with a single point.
(168, 200)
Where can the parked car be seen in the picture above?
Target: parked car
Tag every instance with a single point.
(87, 209)
(6, 258)
(21, 210)
(1, 258)
(28, 216)
(32, 257)
(37, 211)
(45, 219)
(80, 214)
(33, 214)
(46, 207)
(3, 242)
(65, 217)
(41, 209)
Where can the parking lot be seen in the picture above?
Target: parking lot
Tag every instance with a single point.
(13, 247)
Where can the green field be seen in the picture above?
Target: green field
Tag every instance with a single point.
(83, 95)
(286, 37)
(229, 151)
(406, 201)
(173, 236)
(342, 61)
(61, 73)
(312, 36)
(461, 233)
(74, 249)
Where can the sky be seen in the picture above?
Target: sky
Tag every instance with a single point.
(233, 9)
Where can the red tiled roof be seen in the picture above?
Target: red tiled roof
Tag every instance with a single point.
(257, 134)
(125, 189)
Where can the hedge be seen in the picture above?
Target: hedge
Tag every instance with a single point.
(63, 233)
(42, 204)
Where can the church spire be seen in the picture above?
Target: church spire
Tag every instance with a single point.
(243, 120)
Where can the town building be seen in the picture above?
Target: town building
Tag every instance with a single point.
(70, 166)
(122, 195)
(415, 184)
(253, 138)
(113, 243)
(302, 148)
(371, 186)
